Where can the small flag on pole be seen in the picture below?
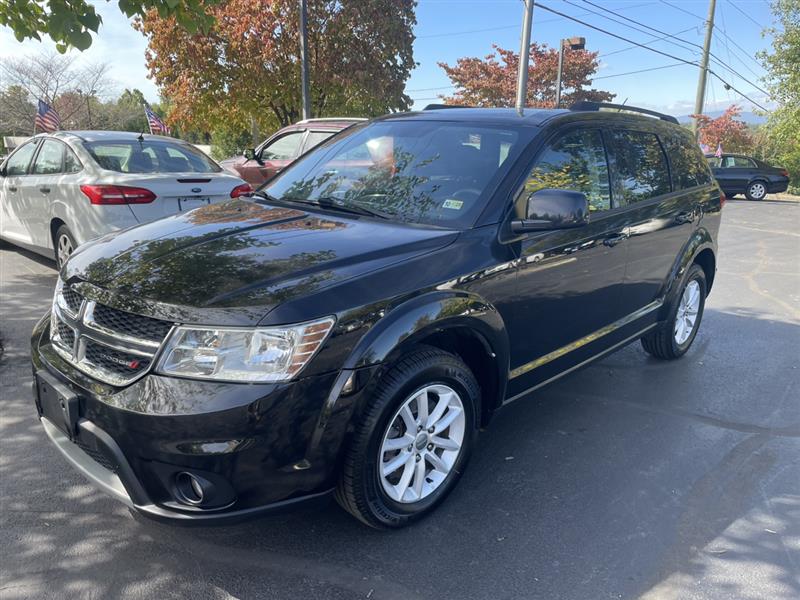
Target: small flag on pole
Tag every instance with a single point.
(718, 153)
(705, 148)
(47, 118)
(157, 126)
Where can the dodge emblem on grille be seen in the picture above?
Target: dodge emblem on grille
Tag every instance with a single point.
(131, 364)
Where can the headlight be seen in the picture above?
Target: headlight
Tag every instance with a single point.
(261, 354)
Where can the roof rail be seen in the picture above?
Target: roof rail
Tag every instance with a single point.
(332, 119)
(585, 105)
(441, 106)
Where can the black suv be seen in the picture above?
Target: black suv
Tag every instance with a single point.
(352, 326)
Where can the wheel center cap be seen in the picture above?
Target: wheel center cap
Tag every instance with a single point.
(421, 441)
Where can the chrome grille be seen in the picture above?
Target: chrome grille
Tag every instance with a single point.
(111, 345)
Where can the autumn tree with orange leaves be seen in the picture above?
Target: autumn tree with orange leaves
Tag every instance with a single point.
(492, 80)
(727, 130)
(247, 65)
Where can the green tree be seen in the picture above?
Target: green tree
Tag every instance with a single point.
(70, 23)
(781, 134)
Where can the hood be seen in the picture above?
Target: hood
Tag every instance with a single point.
(242, 254)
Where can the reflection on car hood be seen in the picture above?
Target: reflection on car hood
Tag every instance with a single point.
(244, 254)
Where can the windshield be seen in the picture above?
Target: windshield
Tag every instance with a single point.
(150, 156)
(429, 172)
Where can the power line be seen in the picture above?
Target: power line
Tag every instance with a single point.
(515, 26)
(645, 43)
(733, 4)
(727, 37)
(667, 54)
(716, 59)
(678, 64)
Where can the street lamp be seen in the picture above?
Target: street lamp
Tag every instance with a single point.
(573, 43)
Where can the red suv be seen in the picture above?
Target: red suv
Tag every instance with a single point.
(258, 165)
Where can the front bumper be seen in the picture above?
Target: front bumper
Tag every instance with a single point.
(260, 447)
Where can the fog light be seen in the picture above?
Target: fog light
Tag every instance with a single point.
(190, 488)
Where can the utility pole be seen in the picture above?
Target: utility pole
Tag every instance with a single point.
(524, 54)
(574, 43)
(701, 81)
(304, 61)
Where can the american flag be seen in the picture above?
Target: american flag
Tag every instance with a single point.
(157, 126)
(47, 118)
(718, 153)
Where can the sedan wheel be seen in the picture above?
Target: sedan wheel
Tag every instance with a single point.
(756, 191)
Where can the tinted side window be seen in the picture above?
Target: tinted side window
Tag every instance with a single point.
(18, 162)
(576, 161)
(283, 148)
(48, 161)
(641, 166)
(688, 165)
(739, 162)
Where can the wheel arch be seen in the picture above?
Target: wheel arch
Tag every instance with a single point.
(55, 223)
(700, 249)
(457, 322)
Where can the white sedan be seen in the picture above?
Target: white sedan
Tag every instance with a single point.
(60, 190)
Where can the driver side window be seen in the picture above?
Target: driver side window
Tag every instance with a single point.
(577, 162)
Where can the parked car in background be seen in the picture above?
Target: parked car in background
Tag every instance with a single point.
(258, 165)
(60, 190)
(739, 174)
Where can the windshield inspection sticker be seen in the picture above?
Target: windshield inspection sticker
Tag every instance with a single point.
(454, 204)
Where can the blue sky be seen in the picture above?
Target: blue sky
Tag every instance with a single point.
(449, 29)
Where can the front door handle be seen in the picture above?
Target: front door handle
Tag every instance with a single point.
(12, 188)
(44, 190)
(615, 239)
(684, 217)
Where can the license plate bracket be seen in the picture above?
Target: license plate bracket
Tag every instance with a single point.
(190, 202)
(57, 403)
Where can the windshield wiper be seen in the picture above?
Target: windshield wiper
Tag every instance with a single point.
(327, 203)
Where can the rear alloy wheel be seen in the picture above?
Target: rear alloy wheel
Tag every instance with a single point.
(756, 190)
(65, 245)
(674, 337)
(413, 441)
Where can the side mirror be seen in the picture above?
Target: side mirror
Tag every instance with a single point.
(249, 154)
(553, 209)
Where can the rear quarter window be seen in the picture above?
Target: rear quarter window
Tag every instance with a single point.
(688, 165)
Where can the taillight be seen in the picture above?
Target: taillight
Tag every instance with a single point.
(785, 172)
(722, 199)
(242, 190)
(117, 194)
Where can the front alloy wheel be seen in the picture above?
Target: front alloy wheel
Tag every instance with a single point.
(422, 443)
(412, 441)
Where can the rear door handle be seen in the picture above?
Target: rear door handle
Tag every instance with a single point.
(44, 190)
(614, 239)
(684, 217)
(12, 188)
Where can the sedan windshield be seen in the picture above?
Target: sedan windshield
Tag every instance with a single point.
(416, 171)
(150, 156)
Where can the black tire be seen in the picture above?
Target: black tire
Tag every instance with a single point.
(661, 342)
(63, 236)
(756, 190)
(359, 490)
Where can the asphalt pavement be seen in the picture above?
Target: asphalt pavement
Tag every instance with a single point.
(633, 478)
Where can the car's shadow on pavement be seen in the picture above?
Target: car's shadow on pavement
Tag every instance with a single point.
(633, 466)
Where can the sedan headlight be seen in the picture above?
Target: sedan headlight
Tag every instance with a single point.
(260, 354)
